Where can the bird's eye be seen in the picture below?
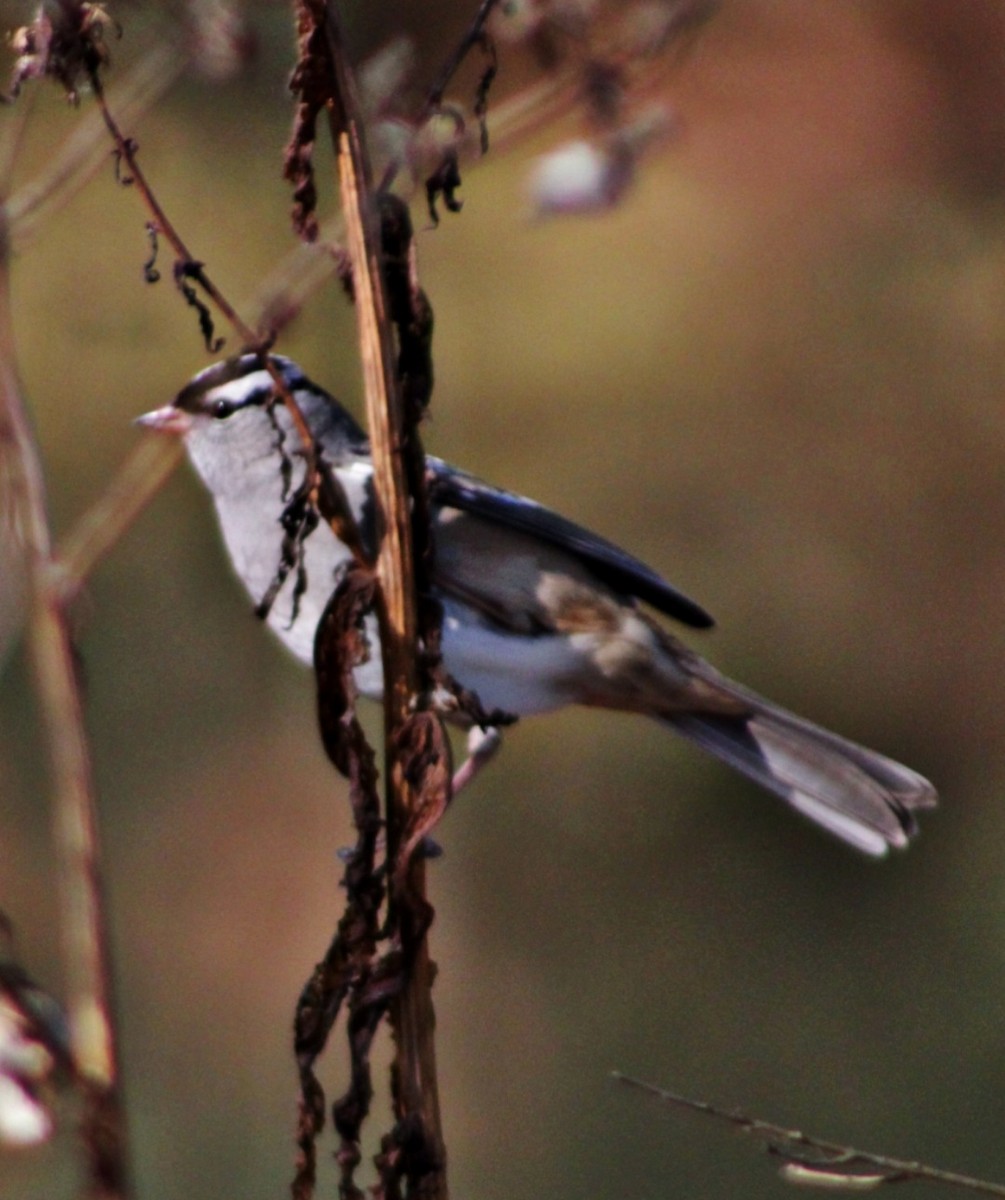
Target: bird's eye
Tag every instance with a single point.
(221, 409)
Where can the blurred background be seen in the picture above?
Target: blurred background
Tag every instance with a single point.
(776, 373)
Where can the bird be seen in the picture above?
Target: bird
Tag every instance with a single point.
(537, 611)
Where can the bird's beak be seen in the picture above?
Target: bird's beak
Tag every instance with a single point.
(166, 420)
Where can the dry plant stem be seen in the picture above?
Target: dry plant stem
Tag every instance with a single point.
(97, 532)
(126, 149)
(418, 1092)
(395, 567)
(85, 151)
(82, 913)
(131, 489)
(471, 38)
(831, 1159)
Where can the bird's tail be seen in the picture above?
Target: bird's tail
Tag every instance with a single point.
(860, 796)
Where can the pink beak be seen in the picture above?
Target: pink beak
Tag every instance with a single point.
(166, 420)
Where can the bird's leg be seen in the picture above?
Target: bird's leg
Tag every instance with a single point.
(483, 742)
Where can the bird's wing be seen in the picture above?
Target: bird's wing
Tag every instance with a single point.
(611, 565)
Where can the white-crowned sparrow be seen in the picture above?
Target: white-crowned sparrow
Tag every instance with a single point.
(537, 611)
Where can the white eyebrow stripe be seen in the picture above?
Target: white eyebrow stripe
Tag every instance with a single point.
(249, 389)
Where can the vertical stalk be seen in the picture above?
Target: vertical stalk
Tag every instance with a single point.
(75, 831)
(417, 1094)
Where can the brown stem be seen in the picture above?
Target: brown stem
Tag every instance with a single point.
(417, 1094)
(85, 151)
(75, 827)
(146, 471)
(126, 149)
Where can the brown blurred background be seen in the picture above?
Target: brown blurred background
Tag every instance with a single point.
(776, 373)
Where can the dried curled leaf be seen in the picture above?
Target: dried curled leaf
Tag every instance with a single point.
(183, 272)
(340, 646)
(311, 83)
(423, 751)
(350, 974)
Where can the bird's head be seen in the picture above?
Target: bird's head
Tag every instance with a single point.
(234, 420)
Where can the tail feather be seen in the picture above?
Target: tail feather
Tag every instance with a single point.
(856, 794)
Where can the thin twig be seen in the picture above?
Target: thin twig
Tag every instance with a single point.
(808, 1159)
(472, 36)
(127, 151)
(82, 912)
(85, 151)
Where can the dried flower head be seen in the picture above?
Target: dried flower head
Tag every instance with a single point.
(65, 41)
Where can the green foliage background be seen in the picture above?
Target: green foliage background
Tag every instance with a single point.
(777, 374)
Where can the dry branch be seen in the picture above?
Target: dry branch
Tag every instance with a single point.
(83, 921)
(417, 1152)
(811, 1161)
